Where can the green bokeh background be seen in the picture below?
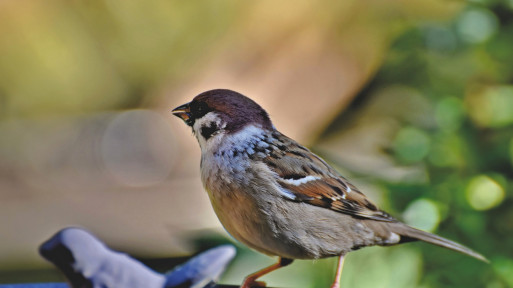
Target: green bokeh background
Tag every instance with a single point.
(438, 95)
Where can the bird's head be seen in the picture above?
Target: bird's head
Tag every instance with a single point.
(215, 113)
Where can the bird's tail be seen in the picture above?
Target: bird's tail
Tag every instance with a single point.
(411, 234)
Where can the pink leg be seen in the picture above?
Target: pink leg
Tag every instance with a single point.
(340, 265)
(250, 281)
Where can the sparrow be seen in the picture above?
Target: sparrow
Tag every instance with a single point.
(88, 262)
(279, 198)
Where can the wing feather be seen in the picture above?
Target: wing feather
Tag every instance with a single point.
(305, 177)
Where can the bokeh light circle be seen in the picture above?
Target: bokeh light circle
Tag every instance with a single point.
(484, 193)
(422, 214)
(476, 25)
(136, 148)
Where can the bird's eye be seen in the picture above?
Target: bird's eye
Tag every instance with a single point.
(199, 109)
(208, 131)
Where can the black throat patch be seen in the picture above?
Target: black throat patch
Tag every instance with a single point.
(208, 131)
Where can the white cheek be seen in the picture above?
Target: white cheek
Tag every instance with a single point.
(212, 144)
(213, 141)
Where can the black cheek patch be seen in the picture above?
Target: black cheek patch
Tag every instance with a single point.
(208, 131)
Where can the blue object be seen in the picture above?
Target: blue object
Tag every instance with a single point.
(88, 262)
(202, 270)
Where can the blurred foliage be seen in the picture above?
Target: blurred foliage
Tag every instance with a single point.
(462, 70)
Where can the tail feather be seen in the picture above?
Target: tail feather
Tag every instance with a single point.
(411, 234)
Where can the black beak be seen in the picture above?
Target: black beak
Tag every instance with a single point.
(184, 112)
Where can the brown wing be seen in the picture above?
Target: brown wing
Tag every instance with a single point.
(305, 177)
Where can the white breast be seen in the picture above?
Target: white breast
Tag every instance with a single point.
(225, 157)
